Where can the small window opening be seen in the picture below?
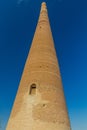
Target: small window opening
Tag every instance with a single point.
(33, 89)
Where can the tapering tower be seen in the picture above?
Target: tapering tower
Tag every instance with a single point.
(40, 103)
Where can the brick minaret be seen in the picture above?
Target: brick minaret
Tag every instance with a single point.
(40, 103)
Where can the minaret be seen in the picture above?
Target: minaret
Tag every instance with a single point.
(40, 102)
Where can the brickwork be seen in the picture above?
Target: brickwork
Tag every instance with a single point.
(42, 106)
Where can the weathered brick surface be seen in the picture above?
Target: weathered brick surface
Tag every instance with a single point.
(46, 109)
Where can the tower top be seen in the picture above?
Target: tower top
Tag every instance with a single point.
(43, 6)
(44, 3)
